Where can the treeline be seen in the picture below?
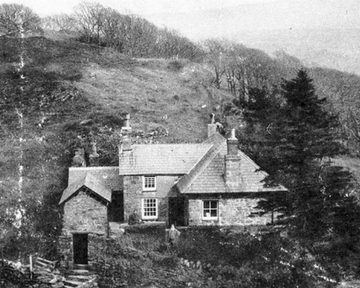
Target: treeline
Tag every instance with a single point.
(128, 34)
(249, 73)
(238, 68)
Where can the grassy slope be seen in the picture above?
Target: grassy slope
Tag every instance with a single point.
(155, 94)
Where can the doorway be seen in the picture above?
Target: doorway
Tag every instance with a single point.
(177, 211)
(80, 248)
(116, 207)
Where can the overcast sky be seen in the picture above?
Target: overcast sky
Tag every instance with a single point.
(206, 18)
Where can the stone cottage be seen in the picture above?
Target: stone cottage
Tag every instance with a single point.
(208, 183)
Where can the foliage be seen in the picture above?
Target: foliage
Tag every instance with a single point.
(126, 33)
(294, 140)
(16, 19)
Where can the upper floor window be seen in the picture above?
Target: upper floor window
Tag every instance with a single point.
(149, 183)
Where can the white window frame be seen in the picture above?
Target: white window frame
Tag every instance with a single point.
(203, 210)
(147, 217)
(144, 182)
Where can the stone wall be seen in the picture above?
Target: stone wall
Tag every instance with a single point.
(65, 249)
(237, 211)
(231, 211)
(85, 213)
(133, 194)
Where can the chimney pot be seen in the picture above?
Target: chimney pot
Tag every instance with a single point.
(212, 126)
(94, 156)
(232, 144)
(126, 134)
(126, 129)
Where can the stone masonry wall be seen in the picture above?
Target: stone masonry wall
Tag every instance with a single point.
(96, 248)
(85, 213)
(133, 194)
(237, 211)
(232, 211)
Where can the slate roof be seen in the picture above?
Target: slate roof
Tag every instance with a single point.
(100, 180)
(211, 180)
(218, 146)
(208, 175)
(161, 159)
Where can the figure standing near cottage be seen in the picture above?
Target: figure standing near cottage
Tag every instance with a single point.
(134, 218)
(173, 237)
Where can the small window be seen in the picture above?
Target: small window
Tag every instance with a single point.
(149, 208)
(210, 209)
(149, 183)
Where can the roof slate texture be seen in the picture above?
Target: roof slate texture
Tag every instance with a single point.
(161, 159)
(212, 180)
(208, 175)
(100, 180)
(218, 146)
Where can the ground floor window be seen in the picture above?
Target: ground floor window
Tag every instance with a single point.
(149, 208)
(210, 209)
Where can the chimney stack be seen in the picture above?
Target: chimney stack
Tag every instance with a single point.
(94, 156)
(233, 177)
(232, 144)
(126, 134)
(79, 159)
(212, 126)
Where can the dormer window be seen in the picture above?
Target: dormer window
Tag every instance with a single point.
(149, 183)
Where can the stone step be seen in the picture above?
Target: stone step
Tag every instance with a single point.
(72, 283)
(80, 278)
(81, 266)
(80, 272)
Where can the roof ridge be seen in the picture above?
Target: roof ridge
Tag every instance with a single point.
(94, 168)
(86, 180)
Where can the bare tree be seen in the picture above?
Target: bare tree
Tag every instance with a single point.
(16, 19)
(59, 22)
(90, 20)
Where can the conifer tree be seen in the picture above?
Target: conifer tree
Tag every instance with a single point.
(296, 151)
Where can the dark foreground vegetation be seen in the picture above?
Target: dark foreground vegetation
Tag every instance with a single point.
(66, 88)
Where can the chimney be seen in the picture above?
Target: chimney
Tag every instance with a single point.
(233, 164)
(79, 159)
(232, 144)
(126, 134)
(94, 156)
(212, 126)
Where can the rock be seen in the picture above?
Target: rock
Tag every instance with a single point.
(86, 122)
(217, 107)
(198, 264)
(187, 264)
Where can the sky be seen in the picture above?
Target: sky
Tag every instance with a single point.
(198, 19)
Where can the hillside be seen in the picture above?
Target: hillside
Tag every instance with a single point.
(318, 47)
(68, 94)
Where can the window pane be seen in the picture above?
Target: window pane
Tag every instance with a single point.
(213, 204)
(210, 209)
(150, 207)
(149, 182)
